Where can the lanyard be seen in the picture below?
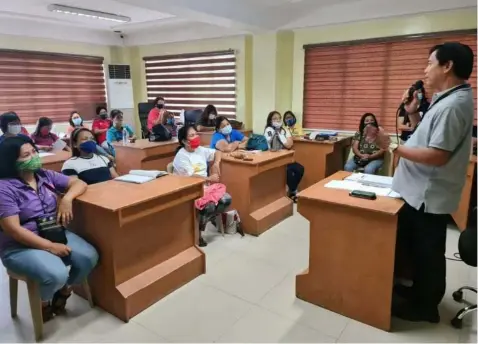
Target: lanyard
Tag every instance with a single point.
(446, 94)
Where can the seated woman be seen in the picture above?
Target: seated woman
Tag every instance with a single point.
(207, 120)
(84, 163)
(11, 126)
(43, 138)
(115, 133)
(193, 160)
(367, 154)
(169, 121)
(225, 138)
(75, 121)
(280, 138)
(27, 196)
(291, 124)
(407, 124)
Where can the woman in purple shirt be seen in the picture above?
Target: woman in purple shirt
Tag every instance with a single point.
(28, 195)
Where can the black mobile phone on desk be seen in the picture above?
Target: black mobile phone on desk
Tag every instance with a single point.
(363, 194)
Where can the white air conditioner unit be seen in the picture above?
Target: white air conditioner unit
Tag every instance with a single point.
(120, 87)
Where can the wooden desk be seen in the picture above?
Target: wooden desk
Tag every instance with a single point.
(146, 236)
(258, 189)
(320, 158)
(352, 253)
(145, 155)
(55, 162)
(461, 215)
(206, 136)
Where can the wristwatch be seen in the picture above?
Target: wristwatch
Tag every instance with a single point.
(392, 147)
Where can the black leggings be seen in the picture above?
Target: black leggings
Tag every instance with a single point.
(295, 172)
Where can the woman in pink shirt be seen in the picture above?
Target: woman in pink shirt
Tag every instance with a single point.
(156, 113)
(75, 121)
(43, 137)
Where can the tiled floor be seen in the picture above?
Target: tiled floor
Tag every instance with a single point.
(247, 295)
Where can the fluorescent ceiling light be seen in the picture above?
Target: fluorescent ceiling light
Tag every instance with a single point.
(81, 12)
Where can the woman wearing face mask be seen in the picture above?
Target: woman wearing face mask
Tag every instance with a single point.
(156, 113)
(290, 121)
(100, 126)
(43, 138)
(169, 121)
(367, 154)
(11, 126)
(207, 120)
(28, 195)
(75, 121)
(193, 160)
(405, 124)
(225, 138)
(280, 138)
(85, 164)
(115, 133)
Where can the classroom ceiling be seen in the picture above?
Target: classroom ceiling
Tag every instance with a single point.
(159, 21)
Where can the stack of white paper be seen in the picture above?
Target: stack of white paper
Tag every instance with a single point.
(351, 185)
(370, 179)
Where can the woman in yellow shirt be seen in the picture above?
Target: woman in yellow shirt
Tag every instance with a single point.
(290, 122)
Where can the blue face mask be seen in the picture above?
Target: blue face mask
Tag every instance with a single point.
(290, 122)
(226, 130)
(88, 147)
(170, 121)
(77, 121)
(420, 96)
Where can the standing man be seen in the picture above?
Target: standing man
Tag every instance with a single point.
(430, 177)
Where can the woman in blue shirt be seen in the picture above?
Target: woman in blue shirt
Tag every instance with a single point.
(226, 139)
(115, 133)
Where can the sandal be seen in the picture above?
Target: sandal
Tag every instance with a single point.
(293, 197)
(47, 313)
(58, 303)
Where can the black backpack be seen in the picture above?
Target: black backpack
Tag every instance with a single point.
(160, 133)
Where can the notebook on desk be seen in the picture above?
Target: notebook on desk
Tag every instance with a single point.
(141, 176)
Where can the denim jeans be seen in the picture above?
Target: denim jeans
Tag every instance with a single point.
(49, 270)
(371, 168)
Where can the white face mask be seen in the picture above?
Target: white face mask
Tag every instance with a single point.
(420, 95)
(212, 116)
(14, 129)
(277, 124)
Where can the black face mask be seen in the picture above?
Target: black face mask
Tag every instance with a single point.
(103, 115)
(160, 106)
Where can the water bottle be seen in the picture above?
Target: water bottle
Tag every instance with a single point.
(125, 137)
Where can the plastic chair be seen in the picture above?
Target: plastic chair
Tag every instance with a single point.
(35, 300)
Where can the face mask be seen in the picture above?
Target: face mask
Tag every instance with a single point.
(14, 129)
(420, 96)
(226, 130)
(212, 116)
(31, 165)
(88, 147)
(44, 131)
(277, 125)
(194, 142)
(77, 121)
(103, 115)
(290, 122)
(118, 124)
(170, 121)
(160, 106)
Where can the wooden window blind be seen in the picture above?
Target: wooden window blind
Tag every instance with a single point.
(345, 80)
(192, 81)
(50, 85)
